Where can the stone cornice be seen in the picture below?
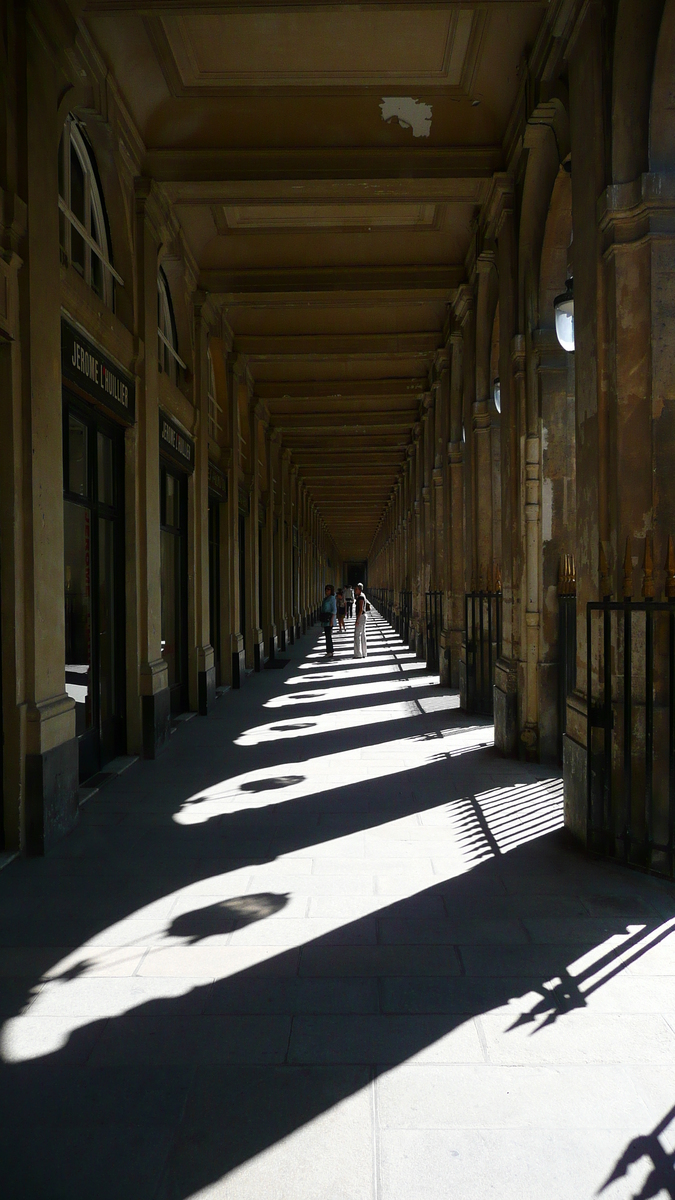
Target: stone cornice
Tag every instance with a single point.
(629, 213)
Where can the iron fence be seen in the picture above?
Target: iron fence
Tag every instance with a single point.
(433, 607)
(483, 642)
(631, 731)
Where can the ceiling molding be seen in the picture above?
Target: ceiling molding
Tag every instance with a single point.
(442, 280)
(323, 163)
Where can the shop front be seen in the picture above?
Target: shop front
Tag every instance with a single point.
(177, 460)
(98, 403)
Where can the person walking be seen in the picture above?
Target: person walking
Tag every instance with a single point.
(362, 610)
(341, 609)
(328, 609)
(349, 597)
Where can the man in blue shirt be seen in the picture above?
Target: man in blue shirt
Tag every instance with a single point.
(328, 611)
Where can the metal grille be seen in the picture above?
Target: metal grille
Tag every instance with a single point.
(483, 641)
(631, 732)
(567, 641)
(433, 606)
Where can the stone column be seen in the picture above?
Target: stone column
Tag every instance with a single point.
(42, 765)
(146, 597)
(203, 672)
(481, 421)
(455, 530)
(255, 650)
(232, 630)
(587, 124)
(506, 675)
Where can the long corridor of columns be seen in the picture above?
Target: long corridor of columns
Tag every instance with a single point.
(330, 945)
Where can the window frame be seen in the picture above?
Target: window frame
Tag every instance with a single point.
(73, 138)
(168, 358)
(215, 409)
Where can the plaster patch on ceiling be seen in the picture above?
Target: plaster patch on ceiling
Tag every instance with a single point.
(410, 113)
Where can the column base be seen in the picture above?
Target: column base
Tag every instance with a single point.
(156, 716)
(52, 779)
(206, 690)
(575, 788)
(238, 660)
(506, 708)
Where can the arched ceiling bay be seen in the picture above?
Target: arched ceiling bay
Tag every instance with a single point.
(326, 163)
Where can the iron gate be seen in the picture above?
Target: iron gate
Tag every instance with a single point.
(433, 604)
(483, 642)
(631, 731)
(567, 641)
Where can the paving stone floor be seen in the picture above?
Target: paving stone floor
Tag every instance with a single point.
(331, 947)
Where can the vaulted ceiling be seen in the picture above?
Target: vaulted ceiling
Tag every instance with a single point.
(326, 162)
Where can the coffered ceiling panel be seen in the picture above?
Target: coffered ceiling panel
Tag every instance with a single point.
(341, 47)
(324, 216)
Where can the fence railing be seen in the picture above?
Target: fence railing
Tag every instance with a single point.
(631, 724)
(433, 608)
(567, 641)
(483, 642)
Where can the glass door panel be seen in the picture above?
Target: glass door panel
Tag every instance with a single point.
(94, 583)
(170, 607)
(77, 540)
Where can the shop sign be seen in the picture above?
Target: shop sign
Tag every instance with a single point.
(175, 444)
(217, 481)
(95, 376)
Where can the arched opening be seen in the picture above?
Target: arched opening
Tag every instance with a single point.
(558, 478)
(83, 224)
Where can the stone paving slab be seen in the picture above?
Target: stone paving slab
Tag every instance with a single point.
(329, 946)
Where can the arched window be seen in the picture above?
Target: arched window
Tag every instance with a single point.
(215, 411)
(82, 226)
(167, 354)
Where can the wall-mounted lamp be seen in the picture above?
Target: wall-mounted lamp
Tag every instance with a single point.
(497, 395)
(563, 306)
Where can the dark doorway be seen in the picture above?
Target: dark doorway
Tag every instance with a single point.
(357, 572)
(173, 554)
(93, 473)
(214, 582)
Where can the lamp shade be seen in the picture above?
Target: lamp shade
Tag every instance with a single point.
(563, 306)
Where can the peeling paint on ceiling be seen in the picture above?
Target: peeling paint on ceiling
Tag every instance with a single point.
(410, 113)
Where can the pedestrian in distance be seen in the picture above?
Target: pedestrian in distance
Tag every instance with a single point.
(328, 610)
(362, 610)
(349, 597)
(341, 609)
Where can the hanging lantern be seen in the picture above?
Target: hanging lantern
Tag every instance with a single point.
(497, 395)
(563, 306)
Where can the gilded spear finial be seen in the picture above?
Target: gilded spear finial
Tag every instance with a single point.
(605, 581)
(573, 575)
(648, 570)
(670, 570)
(498, 578)
(627, 572)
